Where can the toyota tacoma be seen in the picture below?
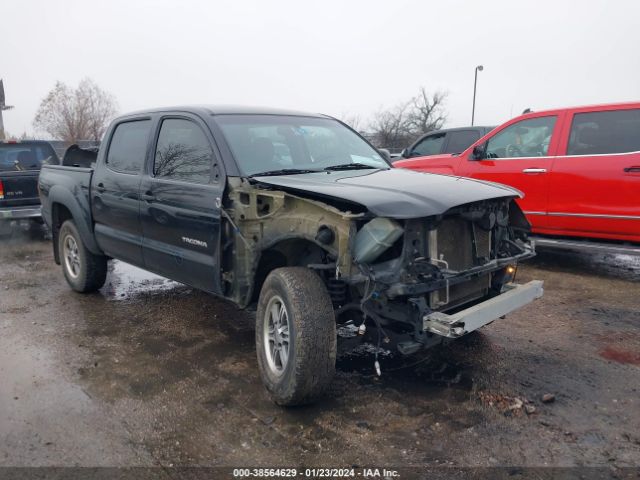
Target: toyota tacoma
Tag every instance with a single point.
(297, 215)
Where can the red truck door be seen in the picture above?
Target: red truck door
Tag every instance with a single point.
(595, 183)
(519, 155)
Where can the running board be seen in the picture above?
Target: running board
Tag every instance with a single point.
(586, 246)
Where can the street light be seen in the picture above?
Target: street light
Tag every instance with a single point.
(479, 68)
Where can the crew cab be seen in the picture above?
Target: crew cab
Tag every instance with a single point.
(296, 214)
(579, 169)
(20, 163)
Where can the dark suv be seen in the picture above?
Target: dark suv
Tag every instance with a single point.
(448, 140)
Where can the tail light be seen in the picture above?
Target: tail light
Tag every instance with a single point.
(1, 190)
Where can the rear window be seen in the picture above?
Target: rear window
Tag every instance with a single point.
(597, 133)
(25, 156)
(129, 146)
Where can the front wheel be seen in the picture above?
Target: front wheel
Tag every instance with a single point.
(295, 336)
(84, 271)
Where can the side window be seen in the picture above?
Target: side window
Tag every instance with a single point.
(461, 140)
(597, 133)
(527, 138)
(183, 152)
(431, 145)
(128, 146)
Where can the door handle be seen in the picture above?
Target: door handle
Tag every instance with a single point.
(100, 188)
(634, 169)
(534, 170)
(148, 197)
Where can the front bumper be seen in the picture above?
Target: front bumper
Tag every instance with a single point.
(19, 213)
(472, 318)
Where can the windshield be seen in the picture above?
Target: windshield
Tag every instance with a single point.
(24, 156)
(269, 143)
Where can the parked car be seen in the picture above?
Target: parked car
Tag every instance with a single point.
(20, 163)
(445, 141)
(579, 169)
(299, 215)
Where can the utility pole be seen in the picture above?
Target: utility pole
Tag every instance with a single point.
(3, 107)
(479, 68)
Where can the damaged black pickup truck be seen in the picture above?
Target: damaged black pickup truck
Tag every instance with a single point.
(299, 215)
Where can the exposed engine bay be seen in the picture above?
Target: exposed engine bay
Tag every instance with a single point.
(393, 274)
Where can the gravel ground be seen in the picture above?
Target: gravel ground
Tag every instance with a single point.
(148, 372)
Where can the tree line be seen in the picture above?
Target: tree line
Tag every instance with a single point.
(83, 113)
(74, 114)
(398, 126)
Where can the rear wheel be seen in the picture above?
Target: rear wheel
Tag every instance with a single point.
(295, 336)
(84, 271)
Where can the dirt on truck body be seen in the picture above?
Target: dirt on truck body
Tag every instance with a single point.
(297, 215)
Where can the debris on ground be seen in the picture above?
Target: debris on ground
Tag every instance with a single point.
(548, 398)
(507, 404)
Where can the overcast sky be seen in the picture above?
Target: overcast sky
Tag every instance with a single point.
(334, 57)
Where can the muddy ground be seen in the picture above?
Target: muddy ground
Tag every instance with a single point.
(150, 372)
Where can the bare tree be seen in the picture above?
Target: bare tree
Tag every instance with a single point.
(396, 127)
(389, 127)
(427, 112)
(100, 106)
(75, 114)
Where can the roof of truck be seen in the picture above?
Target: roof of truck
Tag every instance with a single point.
(227, 110)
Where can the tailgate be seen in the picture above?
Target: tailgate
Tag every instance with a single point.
(19, 188)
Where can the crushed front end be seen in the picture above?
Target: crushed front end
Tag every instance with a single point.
(443, 276)
(414, 281)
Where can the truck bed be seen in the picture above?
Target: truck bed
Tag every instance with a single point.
(72, 179)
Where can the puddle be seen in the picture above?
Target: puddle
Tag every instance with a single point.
(126, 281)
(626, 267)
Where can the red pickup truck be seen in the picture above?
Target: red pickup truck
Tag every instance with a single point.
(579, 169)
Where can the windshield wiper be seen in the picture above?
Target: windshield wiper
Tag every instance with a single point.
(351, 166)
(284, 171)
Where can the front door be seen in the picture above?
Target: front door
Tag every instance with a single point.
(521, 156)
(180, 198)
(115, 188)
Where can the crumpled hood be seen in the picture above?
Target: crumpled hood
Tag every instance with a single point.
(395, 193)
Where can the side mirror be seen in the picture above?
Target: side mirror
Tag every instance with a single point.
(385, 153)
(479, 152)
(404, 153)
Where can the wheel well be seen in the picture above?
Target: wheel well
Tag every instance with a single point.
(296, 252)
(59, 215)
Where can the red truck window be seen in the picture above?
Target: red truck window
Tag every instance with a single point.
(597, 133)
(527, 138)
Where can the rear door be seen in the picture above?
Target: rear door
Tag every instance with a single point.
(115, 189)
(180, 206)
(520, 155)
(595, 183)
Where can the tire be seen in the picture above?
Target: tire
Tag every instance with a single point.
(85, 272)
(310, 325)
